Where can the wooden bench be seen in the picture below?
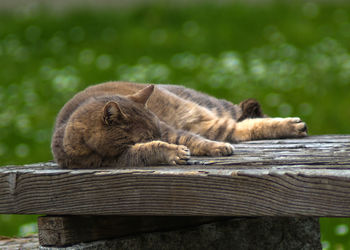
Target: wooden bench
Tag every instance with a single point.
(267, 188)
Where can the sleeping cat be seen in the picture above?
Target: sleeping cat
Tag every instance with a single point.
(118, 124)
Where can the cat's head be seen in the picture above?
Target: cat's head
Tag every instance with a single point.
(128, 117)
(108, 125)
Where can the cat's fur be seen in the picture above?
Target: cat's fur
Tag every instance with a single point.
(119, 124)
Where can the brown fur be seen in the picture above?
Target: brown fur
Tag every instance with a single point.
(128, 124)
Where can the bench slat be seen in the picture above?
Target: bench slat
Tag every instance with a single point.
(309, 177)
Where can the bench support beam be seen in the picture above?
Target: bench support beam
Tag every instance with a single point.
(158, 232)
(68, 230)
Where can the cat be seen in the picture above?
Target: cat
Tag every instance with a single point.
(120, 124)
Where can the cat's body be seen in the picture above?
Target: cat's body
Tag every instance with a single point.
(127, 124)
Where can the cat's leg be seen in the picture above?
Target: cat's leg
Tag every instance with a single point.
(189, 116)
(269, 128)
(226, 129)
(152, 153)
(140, 154)
(197, 144)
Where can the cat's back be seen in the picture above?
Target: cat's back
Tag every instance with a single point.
(220, 107)
(178, 94)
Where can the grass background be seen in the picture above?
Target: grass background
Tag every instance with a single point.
(293, 57)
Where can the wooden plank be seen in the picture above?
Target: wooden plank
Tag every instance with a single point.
(24, 243)
(309, 177)
(68, 230)
(228, 233)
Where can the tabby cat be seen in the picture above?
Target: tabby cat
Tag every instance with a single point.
(118, 124)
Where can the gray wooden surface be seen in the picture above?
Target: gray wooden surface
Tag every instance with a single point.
(309, 177)
(24, 243)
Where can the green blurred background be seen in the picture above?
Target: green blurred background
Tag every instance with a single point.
(293, 57)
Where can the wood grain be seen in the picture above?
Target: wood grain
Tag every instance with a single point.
(299, 177)
(226, 233)
(69, 230)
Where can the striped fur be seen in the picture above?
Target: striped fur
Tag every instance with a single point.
(119, 124)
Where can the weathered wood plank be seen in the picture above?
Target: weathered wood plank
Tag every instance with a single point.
(69, 230)
(25, 243)
(309, 177)
(229, 233)
(323, 150)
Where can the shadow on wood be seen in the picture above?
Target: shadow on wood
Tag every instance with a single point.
(68, 230)
(232, 233)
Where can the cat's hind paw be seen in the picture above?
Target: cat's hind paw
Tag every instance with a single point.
(295, 127)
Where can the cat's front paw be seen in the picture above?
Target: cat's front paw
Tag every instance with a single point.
(294, 127)
(215, 148)
(178, 154)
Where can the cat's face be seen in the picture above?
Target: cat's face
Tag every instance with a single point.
(121, 122)
(129, 122)
(109, 125)
(104, 127)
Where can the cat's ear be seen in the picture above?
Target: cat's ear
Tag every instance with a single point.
(143, 95)
(112, 113)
